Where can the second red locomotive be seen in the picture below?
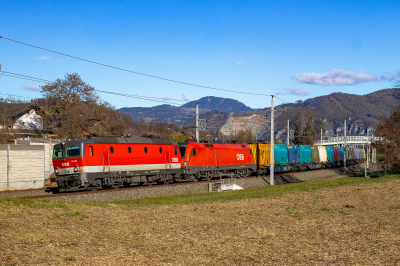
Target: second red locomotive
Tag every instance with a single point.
(114, 162)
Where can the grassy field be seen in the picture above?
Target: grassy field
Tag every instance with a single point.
(344, 221)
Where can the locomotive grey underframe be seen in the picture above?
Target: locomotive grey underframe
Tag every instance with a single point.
(191, 170)
(138, 176)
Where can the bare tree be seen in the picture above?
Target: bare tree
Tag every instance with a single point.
(71, 101)
(307, 123)
(390, 130)
(242, 136)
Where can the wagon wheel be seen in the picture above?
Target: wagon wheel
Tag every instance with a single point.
(194, 178)
(168, 180)
(208, 176)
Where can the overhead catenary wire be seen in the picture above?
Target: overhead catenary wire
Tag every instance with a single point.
(135, 72)
(15, 95)
(147, 98)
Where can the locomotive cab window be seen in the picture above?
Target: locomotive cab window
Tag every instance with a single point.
(90, 150)
(73, 151)
(182, 150)
(176, 150)
(129, 149)
(112, 149)
(58, 152)
(145, 149)
(251, 152)
(160, 149)
(193, 152)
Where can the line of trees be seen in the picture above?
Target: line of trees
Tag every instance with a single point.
(389, 128)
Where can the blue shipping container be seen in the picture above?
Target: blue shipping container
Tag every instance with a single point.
(305, 154)
(281, 154)
(330, 154)
(341, 154)
(294, 154)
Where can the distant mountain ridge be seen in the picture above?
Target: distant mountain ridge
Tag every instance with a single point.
(229, 116)
(179, 115)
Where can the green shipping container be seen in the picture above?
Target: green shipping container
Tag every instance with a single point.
(314, 155)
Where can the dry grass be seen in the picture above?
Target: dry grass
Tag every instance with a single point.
(347, 225)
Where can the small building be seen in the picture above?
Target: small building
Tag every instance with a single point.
(29, 119)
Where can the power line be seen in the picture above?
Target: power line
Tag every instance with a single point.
(147, 98)
(16, 95)
(134, 72)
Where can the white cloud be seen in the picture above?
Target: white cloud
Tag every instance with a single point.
(44, 58)
(185, 96)
(337, 77)
(294, 91)
(392, 74)
(31, 87)
(167, 97)
(239, 63)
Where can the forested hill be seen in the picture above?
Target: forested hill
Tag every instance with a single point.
(365, 109)
(179, 115)
(362, 112)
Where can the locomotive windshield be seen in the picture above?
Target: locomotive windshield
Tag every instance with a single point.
(73, 151)
(58, 152)
(182, 149)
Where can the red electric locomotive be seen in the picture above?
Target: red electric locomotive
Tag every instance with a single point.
(98, 162)
(207, 160)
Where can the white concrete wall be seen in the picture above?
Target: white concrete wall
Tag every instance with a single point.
(26, 167)
(3, 165)
(49, 145)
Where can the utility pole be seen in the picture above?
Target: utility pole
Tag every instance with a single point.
(344, 150)
(371, 151)
(337, 140)
(197, 121)
(321, 137)
(367, 146)
(272, 162)
(288, 139)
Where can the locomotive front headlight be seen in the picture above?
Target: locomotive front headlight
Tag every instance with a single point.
(56, 171)
(76, 168)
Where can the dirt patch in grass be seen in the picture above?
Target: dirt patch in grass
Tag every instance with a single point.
(346, 225)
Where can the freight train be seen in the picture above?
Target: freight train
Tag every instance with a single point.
(293, 158)
(115, 162)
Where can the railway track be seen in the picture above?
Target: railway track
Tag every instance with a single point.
(283, 178)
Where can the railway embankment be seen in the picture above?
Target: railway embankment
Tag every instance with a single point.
(181, 188)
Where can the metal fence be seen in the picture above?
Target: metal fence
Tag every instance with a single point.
(360, 139)
(376, 170)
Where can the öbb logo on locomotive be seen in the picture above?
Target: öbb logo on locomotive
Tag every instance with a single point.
(175, 160)
(240, 157)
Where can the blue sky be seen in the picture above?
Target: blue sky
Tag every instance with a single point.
(293, 49)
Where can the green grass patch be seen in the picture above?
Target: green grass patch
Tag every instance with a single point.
(251, 193)
(36, 204)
